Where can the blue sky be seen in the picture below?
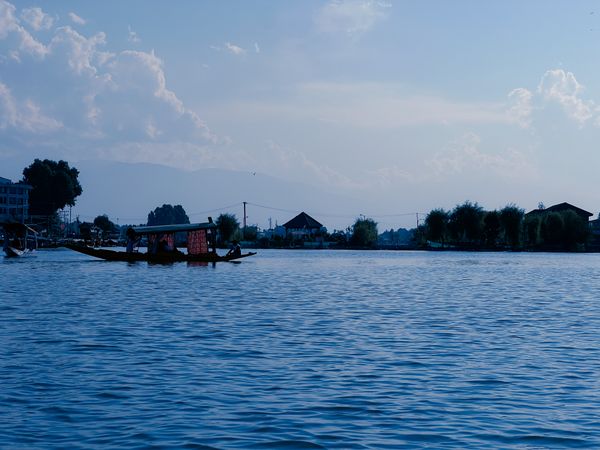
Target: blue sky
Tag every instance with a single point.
(405, 106)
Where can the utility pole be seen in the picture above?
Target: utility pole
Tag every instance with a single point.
(270, 223)
(244, 232)
(417, 220)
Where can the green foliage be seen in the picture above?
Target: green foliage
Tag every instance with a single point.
(364, 233)
(532, 226)
(575, 229)
(491, 228)
(552, 228)
(511, 220)
(168, 215)
(55, 185)
(227, 224)
(466, 223)
(436, 224)
(250, 233)
(105, 224)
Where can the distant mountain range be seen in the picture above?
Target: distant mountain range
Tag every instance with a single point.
(128, 192)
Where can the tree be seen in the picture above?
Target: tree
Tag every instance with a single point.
(532, 229)
(168, 215)
(55, 185)
(575, 229)
(552, 228)
(227, 224)
(511, 219)
(466, 222)
(491, 228)
(437, 225)
(105, 224)
(364, 233)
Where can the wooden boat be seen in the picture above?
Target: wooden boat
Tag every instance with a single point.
(201, 245)
(19, 239)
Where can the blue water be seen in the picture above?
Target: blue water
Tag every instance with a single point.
(294, 350)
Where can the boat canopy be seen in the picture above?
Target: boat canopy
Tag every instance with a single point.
(168, 229)
(17, 227)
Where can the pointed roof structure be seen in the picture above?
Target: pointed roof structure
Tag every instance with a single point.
(302, 221)
(562, 207)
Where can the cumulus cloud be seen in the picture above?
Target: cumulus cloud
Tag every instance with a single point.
(85, 97)
(37, 19)
(352, 17)
(10, 27)
(563, 88)
(76, 19)
(24, 116)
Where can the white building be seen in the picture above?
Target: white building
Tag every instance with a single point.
(14, 201)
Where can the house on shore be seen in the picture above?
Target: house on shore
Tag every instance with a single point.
(560, 207)
(302, 227)
(14, 201)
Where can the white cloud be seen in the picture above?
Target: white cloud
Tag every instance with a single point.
(10, 25)
(234, 49)
(256, 48)
(562, 87)
(521, 107)
(133, 37)
(353, 17)
(76, 19)
(25, 116)
(79, 50)
(37, 19)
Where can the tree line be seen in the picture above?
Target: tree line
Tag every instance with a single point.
(469, 226)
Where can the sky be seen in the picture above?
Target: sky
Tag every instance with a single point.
(403, 106)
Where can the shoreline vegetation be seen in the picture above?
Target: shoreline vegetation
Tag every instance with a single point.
(467, 227)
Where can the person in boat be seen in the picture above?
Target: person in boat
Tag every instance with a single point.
(131, 240)
(235, 249)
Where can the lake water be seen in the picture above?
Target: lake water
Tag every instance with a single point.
(302, 349)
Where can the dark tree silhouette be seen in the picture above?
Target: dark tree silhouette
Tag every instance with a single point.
(105, 224)
(55, 185)
(491, 228)
(228, 225)
(511, 219)
(364, 233)
(466, 223)
(168, 215)
(436, 223)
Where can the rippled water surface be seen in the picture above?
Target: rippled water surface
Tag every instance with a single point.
(294, 349)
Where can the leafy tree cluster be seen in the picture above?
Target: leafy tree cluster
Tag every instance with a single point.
(556, 230)
(105, 225)
(55, 185)
(364, 233)
(168, 215)
(469, 225)
(227, 226)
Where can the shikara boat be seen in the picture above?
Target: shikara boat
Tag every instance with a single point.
(19, 239)
(201, 245)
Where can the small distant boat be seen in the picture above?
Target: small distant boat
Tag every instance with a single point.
(19, 239)
(201, 245)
